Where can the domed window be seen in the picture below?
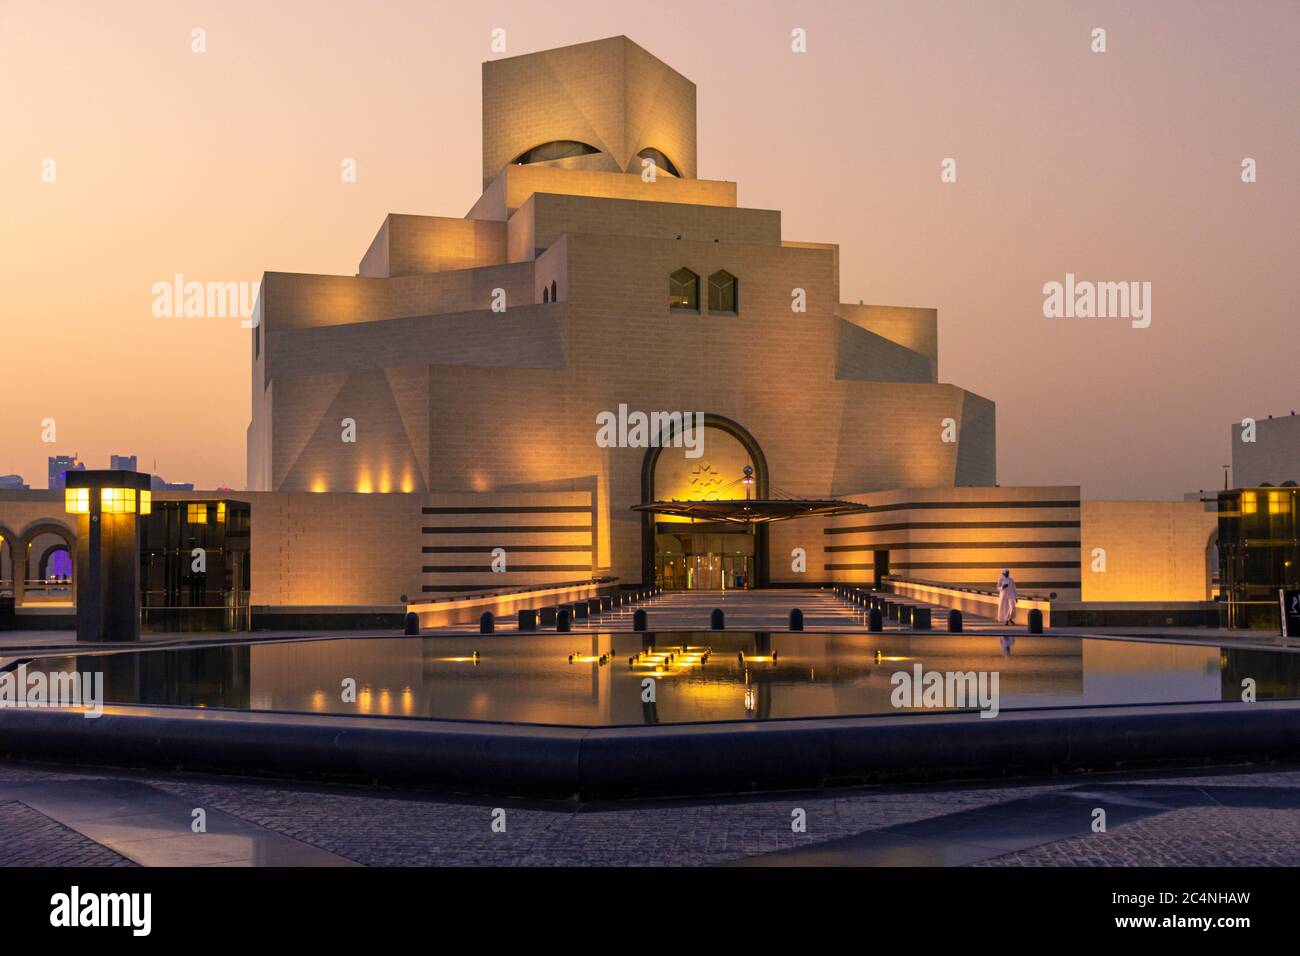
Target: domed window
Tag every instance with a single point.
(556, 149)
(723, 293)
(658, 158)
(684, 290)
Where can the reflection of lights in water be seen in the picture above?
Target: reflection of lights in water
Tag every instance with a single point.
(670, 661)
(881, 657)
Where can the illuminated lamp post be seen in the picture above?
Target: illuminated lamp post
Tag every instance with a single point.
(108, 506)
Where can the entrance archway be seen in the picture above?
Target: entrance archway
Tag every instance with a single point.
(752, 561)
(35, 549)
(8, 542)
(55, 563)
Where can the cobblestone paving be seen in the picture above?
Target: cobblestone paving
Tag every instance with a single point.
(391, 831)
(391, 828)
(1285, 778)
(1201, 836)
(29, 838)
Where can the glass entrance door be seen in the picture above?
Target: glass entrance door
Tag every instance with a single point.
(704, 562)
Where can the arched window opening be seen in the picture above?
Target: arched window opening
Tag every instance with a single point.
(556, 149)
(723, 292)
(554, 292)
(684, 290)
(546, 293)
(664, 164)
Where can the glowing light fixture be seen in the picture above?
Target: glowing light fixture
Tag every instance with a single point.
(117, 501)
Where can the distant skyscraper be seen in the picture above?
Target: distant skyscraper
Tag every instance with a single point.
(12, 483)
(59, 465)
(121, 463)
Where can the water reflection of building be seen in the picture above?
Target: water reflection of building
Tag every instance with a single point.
(598, 680)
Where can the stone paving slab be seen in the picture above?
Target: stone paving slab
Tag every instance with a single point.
(154, 828)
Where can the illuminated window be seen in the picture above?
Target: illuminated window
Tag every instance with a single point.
(76, 501)
(221, 512)
(722, 292)
(1279, 503)
(196, 514)
(684, 290)
(1248, 502)
(146, 502)
(117, 501)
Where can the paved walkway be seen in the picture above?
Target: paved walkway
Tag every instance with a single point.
(765, 610)
(1234, 817)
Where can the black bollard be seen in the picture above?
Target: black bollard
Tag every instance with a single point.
(486, 623)
(593, 607)
(412, 623)
(920, 618)
(580, 610)
(562, 620)
(1035, 621)
(796, 619)
(875, 620)
(954, 621)
(639, 620)
(548, 617)
(527, 620)
(717, 620)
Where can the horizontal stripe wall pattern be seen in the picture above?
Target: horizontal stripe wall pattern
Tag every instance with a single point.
(545, 537)
(961, 536)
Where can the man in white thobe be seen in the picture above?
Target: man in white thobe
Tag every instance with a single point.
(1006, 598)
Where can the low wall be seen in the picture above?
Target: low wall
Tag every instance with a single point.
(969, 601)
(644, 761)
(468, 610)
(1136, 614)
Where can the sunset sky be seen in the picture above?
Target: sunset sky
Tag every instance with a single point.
(1118, 166)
